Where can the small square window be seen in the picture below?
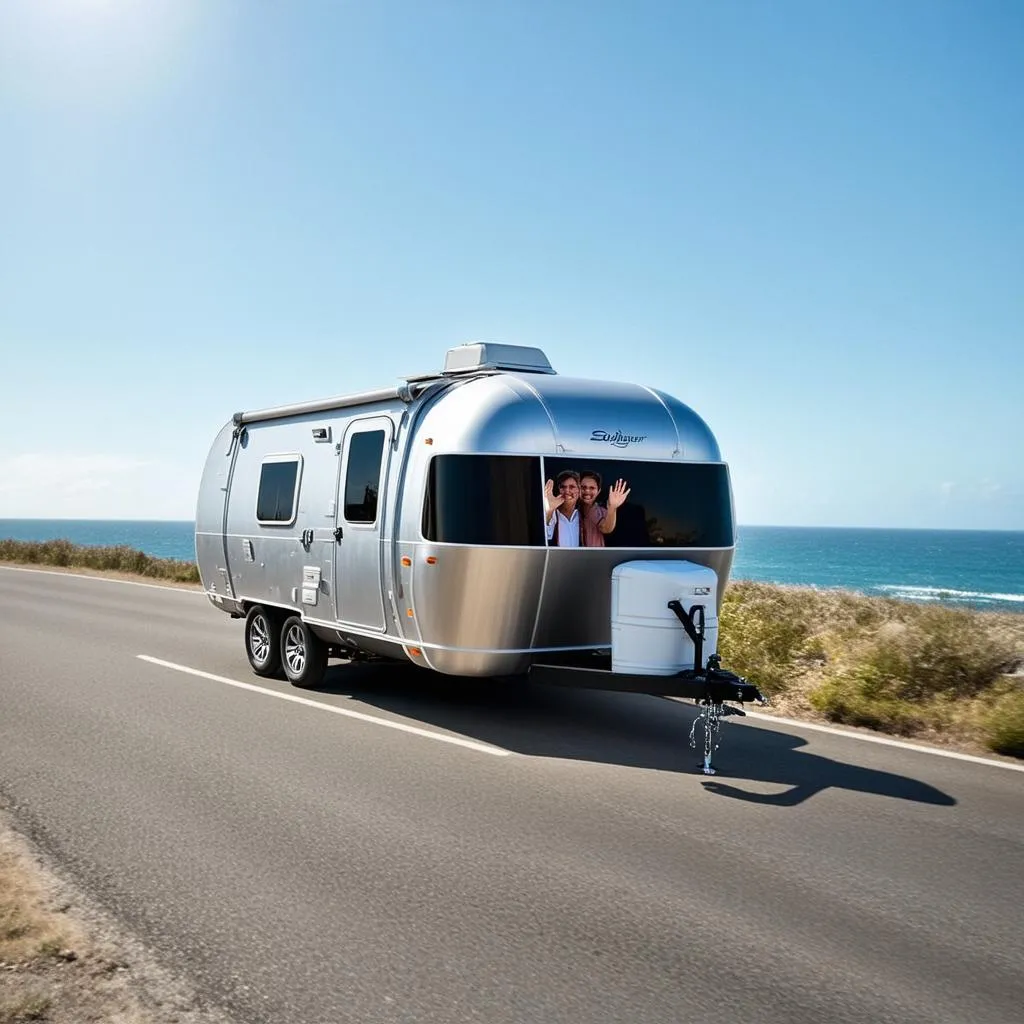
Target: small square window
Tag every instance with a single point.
(279, 490)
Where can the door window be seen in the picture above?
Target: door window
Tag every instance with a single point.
(362, 476)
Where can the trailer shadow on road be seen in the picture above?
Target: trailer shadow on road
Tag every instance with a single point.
(631, 730)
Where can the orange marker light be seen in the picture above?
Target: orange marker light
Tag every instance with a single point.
(415, 652)
(408, 611)
(431, 560)
(428, 440)
(406, 560)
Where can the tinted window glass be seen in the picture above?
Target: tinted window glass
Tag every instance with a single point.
(275, 502)
(362, 476)
(669, 504)
(484, 499)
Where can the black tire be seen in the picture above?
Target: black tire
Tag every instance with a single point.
(303, 654)
(263, 641)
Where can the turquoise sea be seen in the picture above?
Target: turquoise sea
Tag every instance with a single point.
(978, 568)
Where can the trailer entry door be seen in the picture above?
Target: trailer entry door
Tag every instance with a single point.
(358, 561)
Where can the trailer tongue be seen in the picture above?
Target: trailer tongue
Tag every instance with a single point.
(710, 688)
(664, 640)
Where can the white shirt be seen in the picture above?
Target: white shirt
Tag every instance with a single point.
(568, 529)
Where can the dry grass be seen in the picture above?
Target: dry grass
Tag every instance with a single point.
(28, 927)
(62, 964)
(944, 674)
(63, 554)
(939, 673)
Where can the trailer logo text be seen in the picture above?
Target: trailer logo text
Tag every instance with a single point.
(618, 439)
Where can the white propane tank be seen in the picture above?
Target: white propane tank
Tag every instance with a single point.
(647, 638)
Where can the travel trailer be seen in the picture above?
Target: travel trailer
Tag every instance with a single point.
(493, 518)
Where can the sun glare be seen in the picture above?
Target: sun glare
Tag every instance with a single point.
(84, 52)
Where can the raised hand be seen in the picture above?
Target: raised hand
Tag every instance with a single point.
(617, 494)
(552, 500)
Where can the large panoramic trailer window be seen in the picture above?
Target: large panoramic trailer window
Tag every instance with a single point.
(615, 503)
(618, 503)
(484, 499)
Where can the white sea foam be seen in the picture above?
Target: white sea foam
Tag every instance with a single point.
(916, 593)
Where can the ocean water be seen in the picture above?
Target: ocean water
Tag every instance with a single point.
(157, 538)
(981, 569)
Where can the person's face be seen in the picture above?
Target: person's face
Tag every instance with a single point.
(589, 490)
(570, 490)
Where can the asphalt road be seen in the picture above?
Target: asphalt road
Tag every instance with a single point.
(567, 865)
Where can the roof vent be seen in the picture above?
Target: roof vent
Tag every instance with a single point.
(486, 355)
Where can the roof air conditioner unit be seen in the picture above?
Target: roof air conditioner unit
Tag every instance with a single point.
(486, 355)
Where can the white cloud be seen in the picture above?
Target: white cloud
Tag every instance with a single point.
(985, 489)
(48, 485)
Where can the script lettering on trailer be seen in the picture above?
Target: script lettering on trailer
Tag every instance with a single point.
(618, 439)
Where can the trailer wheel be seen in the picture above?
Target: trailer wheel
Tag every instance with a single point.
(303, 654)
(263, 641)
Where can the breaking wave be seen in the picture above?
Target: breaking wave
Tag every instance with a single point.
(913, 593)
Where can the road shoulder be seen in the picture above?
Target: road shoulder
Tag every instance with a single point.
(64, 961)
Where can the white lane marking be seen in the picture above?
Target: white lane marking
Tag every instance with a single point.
(832, 730)
(106, 579)
(885, 741)
(401, 726)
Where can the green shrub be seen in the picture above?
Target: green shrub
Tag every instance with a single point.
(775, 635)
(762, 633)
(860, 696)
(950, 651)
(59, 552)
(875, 662)
(1004, 724)
(915, 673)
(118, 559)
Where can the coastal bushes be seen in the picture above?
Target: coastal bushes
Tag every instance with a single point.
(64, 554)
(936, 672)
(1004, 723)
(890, 665)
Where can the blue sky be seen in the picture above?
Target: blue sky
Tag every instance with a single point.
(804, 219)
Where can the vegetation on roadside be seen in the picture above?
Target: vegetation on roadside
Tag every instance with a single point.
(64, 554)
(934, 672)
(59, 965)
(34, 940)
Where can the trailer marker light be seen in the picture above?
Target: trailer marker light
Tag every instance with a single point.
(408, 611)
(431, 560)
(428, 440)
(406, 560)
(415, 652)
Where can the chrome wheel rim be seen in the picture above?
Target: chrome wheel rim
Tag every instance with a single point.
(259, 639)
(295, 650)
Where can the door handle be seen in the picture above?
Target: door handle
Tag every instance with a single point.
(338, 534)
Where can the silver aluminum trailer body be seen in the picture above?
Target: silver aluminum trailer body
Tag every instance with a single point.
(394, 523)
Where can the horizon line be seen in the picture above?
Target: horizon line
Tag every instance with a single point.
(769, 526)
